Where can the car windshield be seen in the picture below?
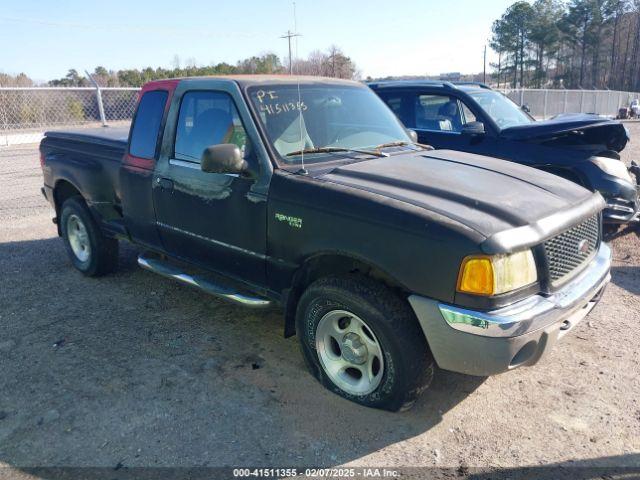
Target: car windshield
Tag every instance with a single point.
(502, 111)
(324, 121)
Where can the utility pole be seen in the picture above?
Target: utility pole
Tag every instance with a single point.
(484, 69)
(289, 36)
(499, 67)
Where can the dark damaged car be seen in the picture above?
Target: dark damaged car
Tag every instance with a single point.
(474, 118)
(387, 257)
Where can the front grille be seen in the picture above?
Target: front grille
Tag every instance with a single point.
(569, 251)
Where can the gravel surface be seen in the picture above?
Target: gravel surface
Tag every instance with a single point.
(135, 370)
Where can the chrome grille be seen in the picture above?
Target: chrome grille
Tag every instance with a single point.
(567, 252)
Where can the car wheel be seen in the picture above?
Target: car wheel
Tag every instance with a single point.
(90, 251)
(363, 342)
(609, 231)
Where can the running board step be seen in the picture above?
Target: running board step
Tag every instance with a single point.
(168, 270)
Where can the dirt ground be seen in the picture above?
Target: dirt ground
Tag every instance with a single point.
(133, 370)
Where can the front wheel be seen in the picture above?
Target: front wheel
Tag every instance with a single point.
(89, 250)
(363, 342)
(609, 231)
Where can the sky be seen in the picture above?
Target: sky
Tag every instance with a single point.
(44, 39)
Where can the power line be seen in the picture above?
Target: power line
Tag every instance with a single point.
(129, 28)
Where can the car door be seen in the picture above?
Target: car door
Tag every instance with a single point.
(210, 219)
(438, 120)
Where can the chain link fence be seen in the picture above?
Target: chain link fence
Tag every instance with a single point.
(26, 113)
(545, 103)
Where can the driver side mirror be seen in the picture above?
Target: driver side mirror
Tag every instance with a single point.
(412, 135)
(223, 158)
(473, 128)
(526, 108)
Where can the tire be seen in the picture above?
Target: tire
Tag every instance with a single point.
(609, 231)
(405, 367)
(89, 250)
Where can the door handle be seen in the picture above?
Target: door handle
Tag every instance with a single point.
(165, 183)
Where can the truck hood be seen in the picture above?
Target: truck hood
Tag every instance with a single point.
(485, 194)
(577, 129)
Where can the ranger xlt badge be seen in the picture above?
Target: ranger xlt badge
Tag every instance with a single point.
(294, 222)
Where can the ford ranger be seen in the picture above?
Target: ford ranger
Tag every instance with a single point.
(387, 257)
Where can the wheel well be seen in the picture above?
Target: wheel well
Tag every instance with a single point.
(63, 191)
(324, 265)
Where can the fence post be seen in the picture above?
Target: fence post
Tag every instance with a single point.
(103, 119)
(521, 96)
(564, 107)
(544, 107)
(582, 102)
(4, 120)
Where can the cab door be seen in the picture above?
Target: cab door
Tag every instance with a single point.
(438, 121)
(437, 118)
(213, 220)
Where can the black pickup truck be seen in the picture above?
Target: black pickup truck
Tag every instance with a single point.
(388, 257)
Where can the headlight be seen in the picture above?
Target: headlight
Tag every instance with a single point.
(613, 167)
(492, 275)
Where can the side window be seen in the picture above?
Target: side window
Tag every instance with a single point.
(467, 115)
(398, 105)
(439, 113)
(146, 128)
(395, 104)
(205, 119)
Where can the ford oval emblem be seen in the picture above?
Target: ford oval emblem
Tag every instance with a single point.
(583, 246)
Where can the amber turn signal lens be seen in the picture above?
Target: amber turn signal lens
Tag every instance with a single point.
(476, 276)
(497, 274)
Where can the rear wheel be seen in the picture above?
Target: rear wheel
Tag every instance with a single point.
(91, 252)
(363, 342)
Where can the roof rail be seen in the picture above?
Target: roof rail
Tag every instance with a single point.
(424, 82)
(478, 84)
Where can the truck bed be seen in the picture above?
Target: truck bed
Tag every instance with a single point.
(113, 137)
(89, 159)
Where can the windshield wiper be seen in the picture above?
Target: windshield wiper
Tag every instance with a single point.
(337, 150)
(392, 144)
(401, 143)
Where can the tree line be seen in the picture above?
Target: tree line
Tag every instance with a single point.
(329, 63)
(590, 44)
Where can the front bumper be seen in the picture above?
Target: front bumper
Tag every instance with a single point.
(624, 205)
(486, 343)
(620, 210)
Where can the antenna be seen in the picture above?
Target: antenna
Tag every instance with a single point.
(302, 170)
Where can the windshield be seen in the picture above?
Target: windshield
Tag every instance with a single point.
(325, 118)
(502, 111)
